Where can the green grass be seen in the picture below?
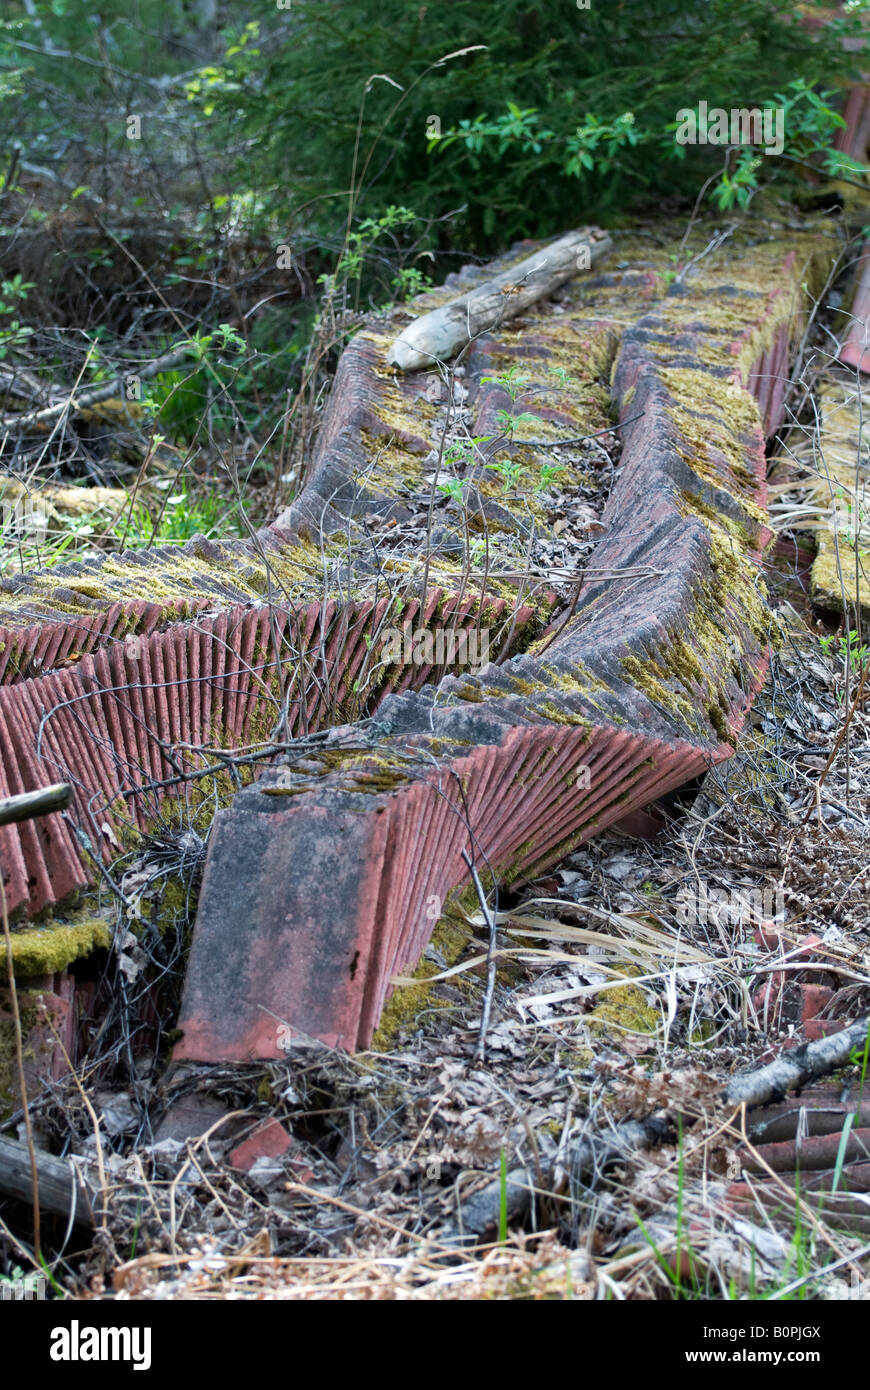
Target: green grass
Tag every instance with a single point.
(163, 521)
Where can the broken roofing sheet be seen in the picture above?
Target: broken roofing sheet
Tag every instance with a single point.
(327, 877)
(128, 675)
(130, 723)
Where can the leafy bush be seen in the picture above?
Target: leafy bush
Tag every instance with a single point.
(556, 113)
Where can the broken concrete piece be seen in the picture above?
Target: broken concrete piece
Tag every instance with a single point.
(190, 1116)
(47, 1008)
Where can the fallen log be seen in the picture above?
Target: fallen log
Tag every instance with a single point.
(63, 1191)
(439, 335)
(482, 1211)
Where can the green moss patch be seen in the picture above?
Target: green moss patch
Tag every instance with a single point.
(49, 947)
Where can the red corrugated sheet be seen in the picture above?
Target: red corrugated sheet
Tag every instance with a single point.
(126, 723)
(348, 863)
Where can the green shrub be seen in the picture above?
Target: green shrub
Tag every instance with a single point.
(565, 114)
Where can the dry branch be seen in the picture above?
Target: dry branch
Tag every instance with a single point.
(796, 1068)
(39, 803)
(594, 1152)
(113, 390)
(589, 1156)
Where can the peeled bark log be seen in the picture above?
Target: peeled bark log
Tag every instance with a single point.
(439, 335)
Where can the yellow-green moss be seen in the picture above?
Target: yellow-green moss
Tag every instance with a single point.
(624, 1008)
(649, 677)
(403, 1007)
(833, 577)
(49, 947)
(390, 467)
(686, 675)
(114, 411)
(736, 329)
(703, 1032)
(579, 1059)
(691, 504)
(407, 1002)
(586, 357)
(840, 573)
(174, 584)
(100, 503)
(711, 414)
(580, 681)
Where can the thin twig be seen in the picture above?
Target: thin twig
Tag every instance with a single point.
(490, 919)
(579, 438)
